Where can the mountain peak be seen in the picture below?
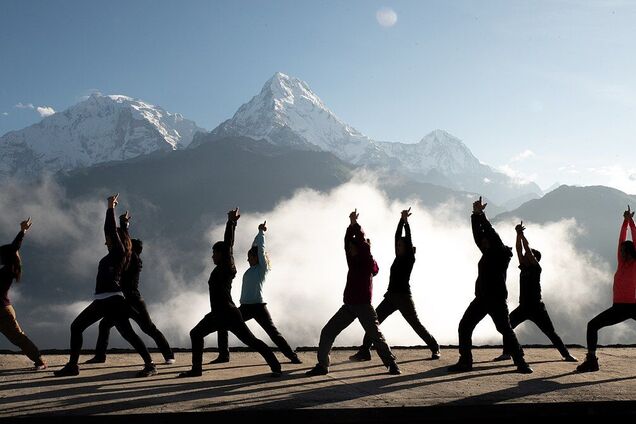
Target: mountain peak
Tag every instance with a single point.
(441, 137)
(100, 128)
(287, 112)
(286, 90)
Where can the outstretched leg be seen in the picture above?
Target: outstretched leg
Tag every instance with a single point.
(542, 319)
(475, 312)
(264, 319)
(517, 316)
(243, 333)
(141, 316)
(369, 320)
(341, 320)
(407, 309)
(207, 325)
(383, 311)
(498, 311)
(11, 329)
(615, 314)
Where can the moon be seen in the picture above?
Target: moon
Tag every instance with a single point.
(386, 17)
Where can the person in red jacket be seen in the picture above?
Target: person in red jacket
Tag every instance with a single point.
(357, 302)
(624, 303)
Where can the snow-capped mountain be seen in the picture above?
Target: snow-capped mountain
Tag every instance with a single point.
(439, 151)
(287, 112)
(98, 129)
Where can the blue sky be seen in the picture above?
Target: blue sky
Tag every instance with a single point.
(544, 90)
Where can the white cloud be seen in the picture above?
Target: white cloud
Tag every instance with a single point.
(21, 105)
(5, 113)
(45, 111)
(386, 17)
(616, 176)
(517, 176)
(523, 155)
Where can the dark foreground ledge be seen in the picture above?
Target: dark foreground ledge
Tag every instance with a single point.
(242, 390)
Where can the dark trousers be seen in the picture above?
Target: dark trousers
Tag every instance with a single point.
(498, 311)
(229, 320)
(618, 312)
(537, 313)
(341, 320)
(402, 302)
(139, 313)
(260, 313)
(114, 308)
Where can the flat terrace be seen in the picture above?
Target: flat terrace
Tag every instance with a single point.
(352, 392)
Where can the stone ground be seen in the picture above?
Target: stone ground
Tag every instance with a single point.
(352, 392)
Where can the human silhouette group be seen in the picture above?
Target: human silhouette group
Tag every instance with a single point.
(117, 299)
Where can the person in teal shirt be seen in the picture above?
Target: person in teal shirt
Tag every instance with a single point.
(252, 304)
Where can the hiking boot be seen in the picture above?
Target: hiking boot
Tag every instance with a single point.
(149, 370)
(317, 370)
(502, 357)
(96, 360)
(570, 358)
(67, 371)
(221, 359)
(295, 360)
(394, 369)
(361, 356)
(194, 372)
(589, 365)
(461, 366)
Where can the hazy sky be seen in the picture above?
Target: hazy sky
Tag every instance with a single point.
(545, 90)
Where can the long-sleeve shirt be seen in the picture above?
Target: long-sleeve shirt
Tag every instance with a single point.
(492, 267)
(6, 273)
(362, 268)
(254, 277)
(625, 276)
(220, 281)
(402, 264)
(130, 277)
(110, 266)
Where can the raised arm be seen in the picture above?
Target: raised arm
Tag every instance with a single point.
(230, 228)
(110, 226)
(403, 225)
(628, 220)
(259, 242)
(529, 256)
(124, 222)
(24, 227)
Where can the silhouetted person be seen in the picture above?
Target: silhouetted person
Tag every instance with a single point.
(139, 312)
(398, 296)
(490, 293)
(252, 304)
(109, 300)
(225, 315)
(531, 307)
(357, 302)
(12, 270)
(624, 302)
